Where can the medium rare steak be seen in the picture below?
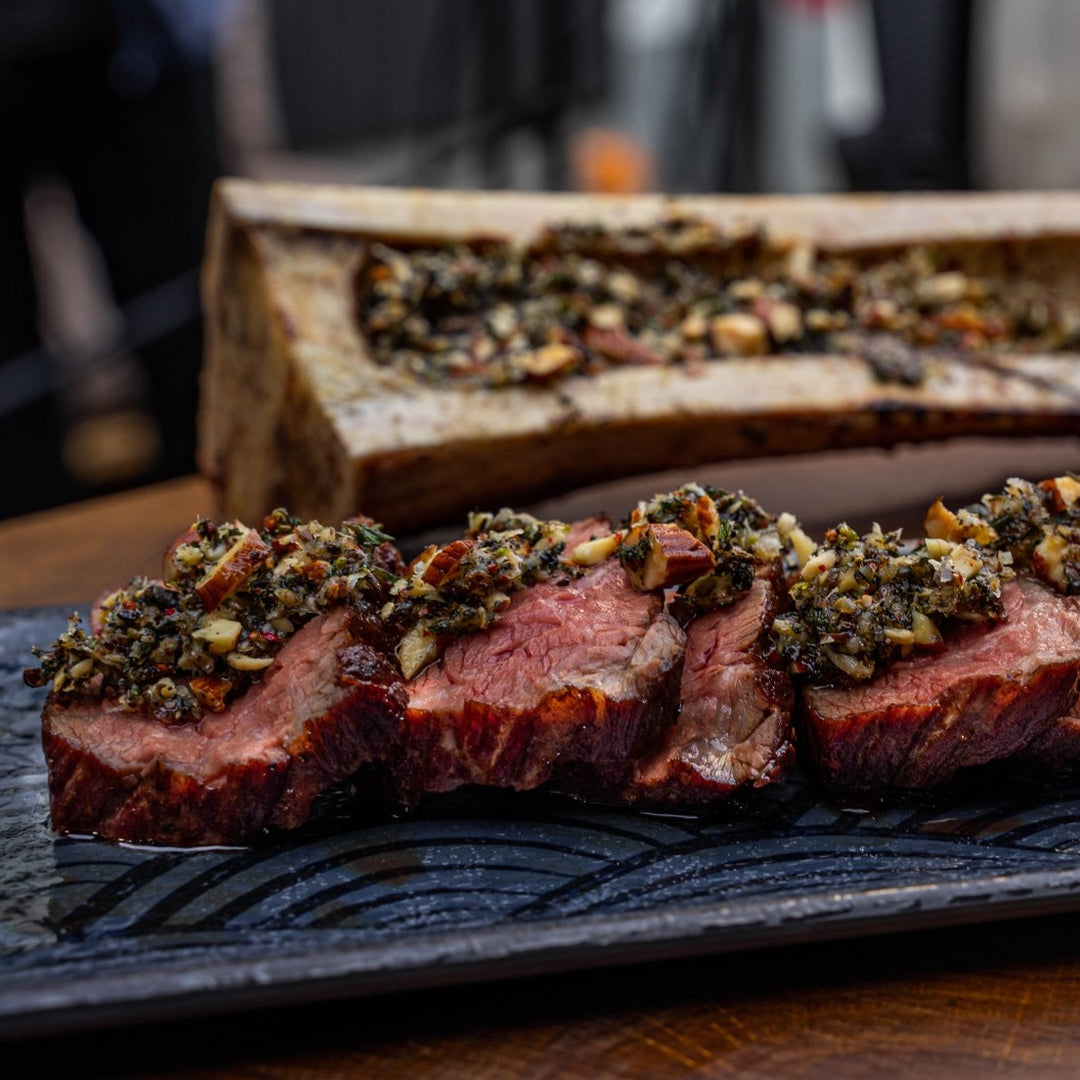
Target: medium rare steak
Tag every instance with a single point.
(576, 672)
(735, 728)
(986, 696)
(330, 701)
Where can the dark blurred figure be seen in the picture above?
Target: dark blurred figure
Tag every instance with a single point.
(116, 97)
(921, 142)
(458, 78)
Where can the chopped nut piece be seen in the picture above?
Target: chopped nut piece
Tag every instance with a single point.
(550, 360)
(941, 523)
(660, 556)
(183, 555)
(784, 320)
(821, 321)
(965, 562)
(211, 691)
(607, 317)
(746, 289)
(446, 560)
(739, 334)
(620, 347)
(800, 261)
(624, 287)
(694, 327)
(232, 569)
(1048, 559)
(1064, 491)
(708, 518)
(944, 288)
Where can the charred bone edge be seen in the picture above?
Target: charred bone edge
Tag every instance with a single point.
(295, 412)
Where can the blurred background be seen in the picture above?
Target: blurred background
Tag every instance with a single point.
(117, 115)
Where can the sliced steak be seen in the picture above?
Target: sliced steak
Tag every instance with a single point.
(330, 702)
(1055, 749)
(575, 672)
(986, 696)
(735, 728)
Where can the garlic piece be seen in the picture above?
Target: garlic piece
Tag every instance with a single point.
(591, 552)
(219, 635)
(240, 662)
(818, 564)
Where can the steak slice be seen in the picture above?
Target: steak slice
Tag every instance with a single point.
(735, 728)
(1054, 750)
(331, 701)
(986, 696)
(575, 672)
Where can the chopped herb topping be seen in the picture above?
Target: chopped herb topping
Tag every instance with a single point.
(739, 536)
(863, 600)
(230, 598)
(451, 590)
(231, 595)
(1038, 525)
(585, 299)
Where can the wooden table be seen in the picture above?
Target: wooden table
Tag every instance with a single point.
(992, 1000)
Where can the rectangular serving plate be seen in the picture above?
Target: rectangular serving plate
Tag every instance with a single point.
(476, 888)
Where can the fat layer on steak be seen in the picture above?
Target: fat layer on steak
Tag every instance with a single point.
(989, 694)
(331, 701)
(576, 673)
(735, 727)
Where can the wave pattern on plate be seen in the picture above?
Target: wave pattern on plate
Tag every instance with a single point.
(477, 881)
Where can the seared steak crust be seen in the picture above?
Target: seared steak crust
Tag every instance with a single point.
(330, 701)
(1056, 749)
(574, 673)
(735, 728)
(989, 694)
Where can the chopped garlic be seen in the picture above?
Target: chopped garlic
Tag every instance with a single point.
(591, 552)
(219, 635)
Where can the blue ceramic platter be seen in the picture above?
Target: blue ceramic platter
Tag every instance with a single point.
(475, 888)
